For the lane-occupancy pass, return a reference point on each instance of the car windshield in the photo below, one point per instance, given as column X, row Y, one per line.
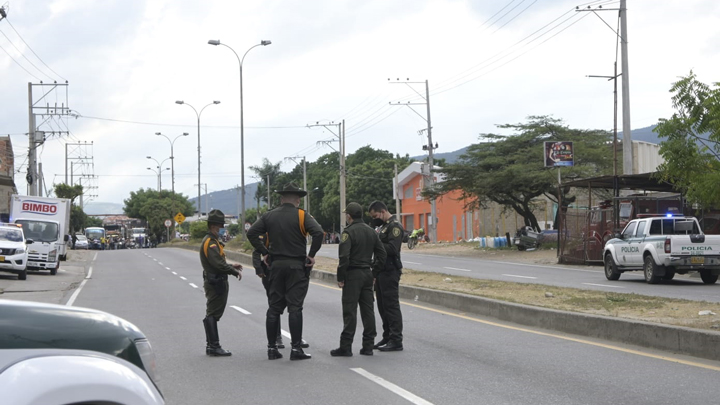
column 81, row 238
column 39, row 231
column 11, row 235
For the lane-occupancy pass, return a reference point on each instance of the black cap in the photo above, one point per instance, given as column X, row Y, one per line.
column 354, row 210
column 216, row 217
column 291, row 188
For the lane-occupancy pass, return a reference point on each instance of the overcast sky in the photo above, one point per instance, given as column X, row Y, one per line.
column 130, row 60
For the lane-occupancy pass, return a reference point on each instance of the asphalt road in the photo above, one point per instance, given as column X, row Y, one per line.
column 449, row 358
column 585, row 277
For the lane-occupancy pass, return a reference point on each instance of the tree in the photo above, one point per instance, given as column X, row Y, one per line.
column 92, row 222
column 198, row 229
column 78, row 218
column 263, row 171
column 63, row 190
column 692, row 146
column 155, row 207
column 509, row 170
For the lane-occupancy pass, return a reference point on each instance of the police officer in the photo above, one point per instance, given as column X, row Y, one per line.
column 262, row 271
column 287, row 227
column 359, row 244
column 387, row 279
column 215, row 276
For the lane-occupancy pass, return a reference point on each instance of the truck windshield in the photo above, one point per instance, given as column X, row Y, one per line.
column 11, row 235
column 39, row 231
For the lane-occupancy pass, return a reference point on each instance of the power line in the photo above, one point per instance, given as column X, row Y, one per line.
column 25, row 57
column 31, row 50
column 78, row 115
column 18, row 63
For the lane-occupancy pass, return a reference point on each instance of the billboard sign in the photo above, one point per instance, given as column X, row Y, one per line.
column 558, row 154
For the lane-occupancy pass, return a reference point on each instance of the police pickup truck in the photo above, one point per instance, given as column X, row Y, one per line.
column 663, row 247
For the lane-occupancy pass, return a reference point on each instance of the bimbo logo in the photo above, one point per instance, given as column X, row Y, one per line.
column 39, row 207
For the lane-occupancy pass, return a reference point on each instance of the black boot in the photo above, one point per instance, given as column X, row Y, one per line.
column 392, row 346
column 213, row 347
column 295, row 319
column 297, row 353
column 273, row 353
column 383, row 342
column 304, row 344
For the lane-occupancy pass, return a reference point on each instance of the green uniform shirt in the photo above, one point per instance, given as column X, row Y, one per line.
column 214, row 262
column 358, row 245
column 282, row 225
column 391, row 235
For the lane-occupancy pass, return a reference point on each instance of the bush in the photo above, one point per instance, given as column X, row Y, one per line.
column 198, row 229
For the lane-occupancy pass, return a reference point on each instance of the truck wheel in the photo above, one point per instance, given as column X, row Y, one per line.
column 650, row 270
column 707, row 277
column 669, row 274
column 54, row 271
column 22, row 275
column 611, row 271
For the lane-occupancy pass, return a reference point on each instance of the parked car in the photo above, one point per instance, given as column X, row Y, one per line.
column 13, row 250
column 82, row 242
column 60, row 377
column 35, row 326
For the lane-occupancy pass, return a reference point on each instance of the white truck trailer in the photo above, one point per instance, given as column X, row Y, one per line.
column 46, row 221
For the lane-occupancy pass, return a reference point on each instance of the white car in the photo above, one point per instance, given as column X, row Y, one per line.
column 81, row 242
column 13, row 250
column 60, row 376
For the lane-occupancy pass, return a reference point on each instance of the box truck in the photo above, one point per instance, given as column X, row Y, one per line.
column 47, row 222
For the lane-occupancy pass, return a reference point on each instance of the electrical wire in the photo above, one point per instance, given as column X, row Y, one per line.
column 25, row 57
column 31, row 50
column 18, row 63
column 78, row 115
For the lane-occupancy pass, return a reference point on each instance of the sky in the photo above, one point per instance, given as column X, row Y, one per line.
column 487, row 63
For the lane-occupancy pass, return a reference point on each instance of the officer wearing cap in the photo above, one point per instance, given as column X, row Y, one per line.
column 287, row 227
column 215, row 276
column 387, row 278
column 359, row 246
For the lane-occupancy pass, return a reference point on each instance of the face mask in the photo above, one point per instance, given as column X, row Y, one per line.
column 377, row 222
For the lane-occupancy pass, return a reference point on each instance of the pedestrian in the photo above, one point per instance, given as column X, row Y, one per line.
column 387, row 279
column 287, row 227
column 215, row 276
column 262, row 271
column 359, row 248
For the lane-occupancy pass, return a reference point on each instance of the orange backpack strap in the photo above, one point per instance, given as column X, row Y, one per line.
column 301, row 214
column 205, row 246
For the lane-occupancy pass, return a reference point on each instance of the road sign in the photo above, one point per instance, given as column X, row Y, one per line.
column 247, row 226
column 179, row 218
column 168, row 223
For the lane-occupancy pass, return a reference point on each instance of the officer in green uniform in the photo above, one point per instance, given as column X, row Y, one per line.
column 359, row 245
column 215, row 276
column 289, row 262
column 387, row 279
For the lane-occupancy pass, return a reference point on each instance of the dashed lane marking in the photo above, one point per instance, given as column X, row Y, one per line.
column 455, row 268
column 571, row 339
column 244, row 311
column 89, row 275
column 174, row 273
column 513, row 275
column 285, row 333
column 604, row 285
column 167, row 268
column 193, row 285
column 411, row 262
column 392, row 387
column 183, row 278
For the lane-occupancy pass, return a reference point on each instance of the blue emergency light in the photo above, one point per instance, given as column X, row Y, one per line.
column 668, row 215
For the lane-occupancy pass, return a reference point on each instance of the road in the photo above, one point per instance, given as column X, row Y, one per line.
column 449, row 358
column 585, row 277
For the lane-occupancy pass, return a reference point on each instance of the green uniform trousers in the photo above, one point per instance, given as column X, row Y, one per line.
column 216, row 294
column 358, row 290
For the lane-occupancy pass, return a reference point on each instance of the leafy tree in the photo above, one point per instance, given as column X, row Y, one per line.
column 509, row 170
column 93, row 222
column 63, row 190
column 263, row 171
column 198, row 229
column 78, row 218
column 234, row 229
column 155, row 207
column 692, row 146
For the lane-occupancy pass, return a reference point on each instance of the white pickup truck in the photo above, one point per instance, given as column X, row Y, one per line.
column 663, row 247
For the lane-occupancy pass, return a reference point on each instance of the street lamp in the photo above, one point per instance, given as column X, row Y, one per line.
column 199, row 204
column 158, row 173
column 264, row 42
column 159, row 166
column 172, row 156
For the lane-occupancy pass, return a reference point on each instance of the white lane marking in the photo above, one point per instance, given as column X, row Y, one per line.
column 411, row 262
column 285, row 333
column 244, row 311
column 174, row 273
column 160, row 263
column 95, row 257
column 89, row 275
column 512, row 275
column 167, row 268
column 183, row 278
column 455, row 268
column 155, row 259
column 193, row 285
column 544, row 267
column 76, row 293
column 392, row 387
column 604, row 285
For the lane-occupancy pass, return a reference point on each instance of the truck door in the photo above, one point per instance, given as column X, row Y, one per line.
column 623, row 254
column 636, row 245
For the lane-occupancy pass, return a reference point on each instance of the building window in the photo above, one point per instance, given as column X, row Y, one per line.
column 408, row 192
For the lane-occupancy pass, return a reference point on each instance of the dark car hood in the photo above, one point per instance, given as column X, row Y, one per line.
column 38, row 325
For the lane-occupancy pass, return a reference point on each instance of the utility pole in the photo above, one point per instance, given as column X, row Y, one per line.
column 306, row 200
column 625, row 74
column 397, row 195
column 207, row 206
column 341, row 150
column 429, row 182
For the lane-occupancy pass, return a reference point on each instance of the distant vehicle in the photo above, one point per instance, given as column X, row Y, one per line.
column 61, row 376
column 13, row 250
column 45, row 221
column 38, row 326
column 662, row 247
column 81, row 242
column 95, row 236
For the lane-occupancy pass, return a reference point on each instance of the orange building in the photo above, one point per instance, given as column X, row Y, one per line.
column 453, row 221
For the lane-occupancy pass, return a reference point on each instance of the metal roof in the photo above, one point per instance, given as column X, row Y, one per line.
column 644, row 181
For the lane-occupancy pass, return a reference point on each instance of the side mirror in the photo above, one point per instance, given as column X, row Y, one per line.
column 618, row 236
column 28, row 241
column 67, row 238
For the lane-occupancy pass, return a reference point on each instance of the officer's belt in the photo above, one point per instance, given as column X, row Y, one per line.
column 275, row 258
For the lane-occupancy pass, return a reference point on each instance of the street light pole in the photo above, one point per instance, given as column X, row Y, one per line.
column 159, row 166
column 264, row 42
column 172, row 155
column 198, row 114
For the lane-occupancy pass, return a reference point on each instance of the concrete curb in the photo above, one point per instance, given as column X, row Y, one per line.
column 676, row 339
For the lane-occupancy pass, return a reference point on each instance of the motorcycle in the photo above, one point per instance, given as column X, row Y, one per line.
column 413, row 239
